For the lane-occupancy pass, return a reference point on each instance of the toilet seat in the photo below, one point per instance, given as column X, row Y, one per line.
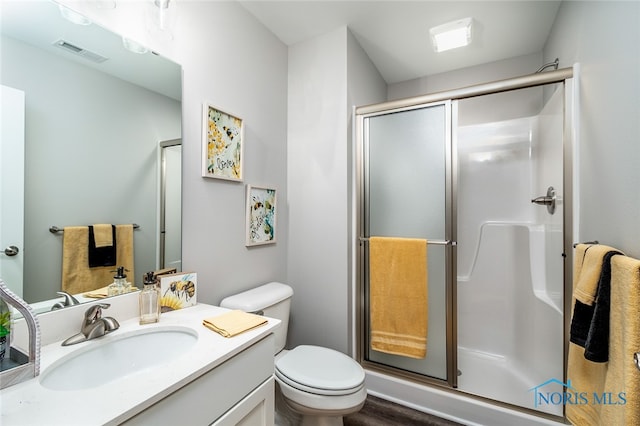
column 320, row 371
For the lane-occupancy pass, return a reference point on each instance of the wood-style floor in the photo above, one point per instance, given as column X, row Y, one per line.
column 380, row 412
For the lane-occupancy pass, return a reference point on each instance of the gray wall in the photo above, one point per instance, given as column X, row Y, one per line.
column 327, row 77
column 604, row 37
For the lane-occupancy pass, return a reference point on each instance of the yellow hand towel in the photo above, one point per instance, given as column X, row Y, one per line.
column 623, row 377
column 578, row 259
column 587, row 285
column 234, row 322
column 103, row 235
column 398, row 300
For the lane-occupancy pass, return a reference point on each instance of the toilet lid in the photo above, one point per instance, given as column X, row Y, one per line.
column 320, row 370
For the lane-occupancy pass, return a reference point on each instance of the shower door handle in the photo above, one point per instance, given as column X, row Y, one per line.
column 548, row 200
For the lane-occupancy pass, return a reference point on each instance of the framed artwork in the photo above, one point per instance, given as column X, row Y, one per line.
column 222, row 144
column 261, row 215
column 178, row 291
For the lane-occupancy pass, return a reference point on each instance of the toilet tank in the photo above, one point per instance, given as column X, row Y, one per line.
column 271, row 300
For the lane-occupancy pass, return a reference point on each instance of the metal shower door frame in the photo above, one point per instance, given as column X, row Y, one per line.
column 564, row 76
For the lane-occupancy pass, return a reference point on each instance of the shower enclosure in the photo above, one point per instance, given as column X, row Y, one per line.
column 483, row 174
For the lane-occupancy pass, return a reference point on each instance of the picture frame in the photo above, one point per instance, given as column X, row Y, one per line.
column 261, row 211
column 178, row 291
column 222, row 144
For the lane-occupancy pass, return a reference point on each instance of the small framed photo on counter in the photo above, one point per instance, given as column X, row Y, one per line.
column 178, row 291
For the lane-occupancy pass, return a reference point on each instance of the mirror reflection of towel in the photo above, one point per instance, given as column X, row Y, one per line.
column 77, row 277
column 102, row 245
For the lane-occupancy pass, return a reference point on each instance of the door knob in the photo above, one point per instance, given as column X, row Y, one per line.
column 548, row 200
column 11, row 251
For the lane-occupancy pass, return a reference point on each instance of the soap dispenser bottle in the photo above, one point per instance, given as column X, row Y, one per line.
column 150, row 300
column 119, row 284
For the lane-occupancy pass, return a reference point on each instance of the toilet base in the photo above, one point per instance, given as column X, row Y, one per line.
column 290, row 413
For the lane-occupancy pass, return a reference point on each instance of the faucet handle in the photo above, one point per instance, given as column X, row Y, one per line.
column 95, row 311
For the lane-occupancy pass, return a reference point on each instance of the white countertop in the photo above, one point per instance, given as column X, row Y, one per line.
column 29, row 403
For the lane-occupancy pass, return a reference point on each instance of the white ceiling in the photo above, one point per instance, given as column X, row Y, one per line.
column 395, row 34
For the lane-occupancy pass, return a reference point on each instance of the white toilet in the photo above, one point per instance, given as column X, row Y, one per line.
column 318, row 384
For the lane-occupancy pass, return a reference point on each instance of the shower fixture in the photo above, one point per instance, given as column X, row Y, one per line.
column 548, row 200
column 553, row 64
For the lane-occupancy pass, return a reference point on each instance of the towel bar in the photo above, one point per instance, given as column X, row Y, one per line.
column 433, row 242
column 54, row 229
column 586, row 242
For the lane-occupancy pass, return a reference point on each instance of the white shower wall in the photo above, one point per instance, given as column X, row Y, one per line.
column 510, row 257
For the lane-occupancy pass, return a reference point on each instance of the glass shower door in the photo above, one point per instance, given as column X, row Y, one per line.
column 406, row 190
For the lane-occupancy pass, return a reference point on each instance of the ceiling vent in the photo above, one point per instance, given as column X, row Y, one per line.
column 72, row 48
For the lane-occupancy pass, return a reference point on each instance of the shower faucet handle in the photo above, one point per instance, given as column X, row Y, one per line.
column 548, row 200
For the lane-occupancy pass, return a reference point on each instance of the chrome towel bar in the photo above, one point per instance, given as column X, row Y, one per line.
column 433, row 242
column 54, row 229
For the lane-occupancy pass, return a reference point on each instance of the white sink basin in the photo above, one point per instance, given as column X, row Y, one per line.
column 110, row 358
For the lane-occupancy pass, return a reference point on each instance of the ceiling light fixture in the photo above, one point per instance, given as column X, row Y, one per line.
column 134, row 46
column 451, row 35
column 73, row 16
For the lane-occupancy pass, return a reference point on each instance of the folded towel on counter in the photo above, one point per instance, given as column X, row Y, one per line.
column 398, row 296
column 234, row 322
column 624, row 341
column 102, row 245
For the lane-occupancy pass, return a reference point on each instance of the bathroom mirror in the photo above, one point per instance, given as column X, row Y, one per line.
column 95, row 117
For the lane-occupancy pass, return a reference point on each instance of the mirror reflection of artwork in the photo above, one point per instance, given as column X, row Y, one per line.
column 222, row 145
column 261, row 215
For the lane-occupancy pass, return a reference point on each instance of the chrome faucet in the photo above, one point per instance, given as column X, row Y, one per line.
column 69, row 300
column 32, row 367
column 93, row 325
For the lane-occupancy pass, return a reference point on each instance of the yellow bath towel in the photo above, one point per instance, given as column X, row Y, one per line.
column 587, row 285
column 233, row 323
column 398, row 296
column 77, row 277
column 587, row 378
column 103, row 235
column 623, row 377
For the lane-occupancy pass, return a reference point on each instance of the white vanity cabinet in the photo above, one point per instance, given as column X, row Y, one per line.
column 239, row 391
column 217, row 381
